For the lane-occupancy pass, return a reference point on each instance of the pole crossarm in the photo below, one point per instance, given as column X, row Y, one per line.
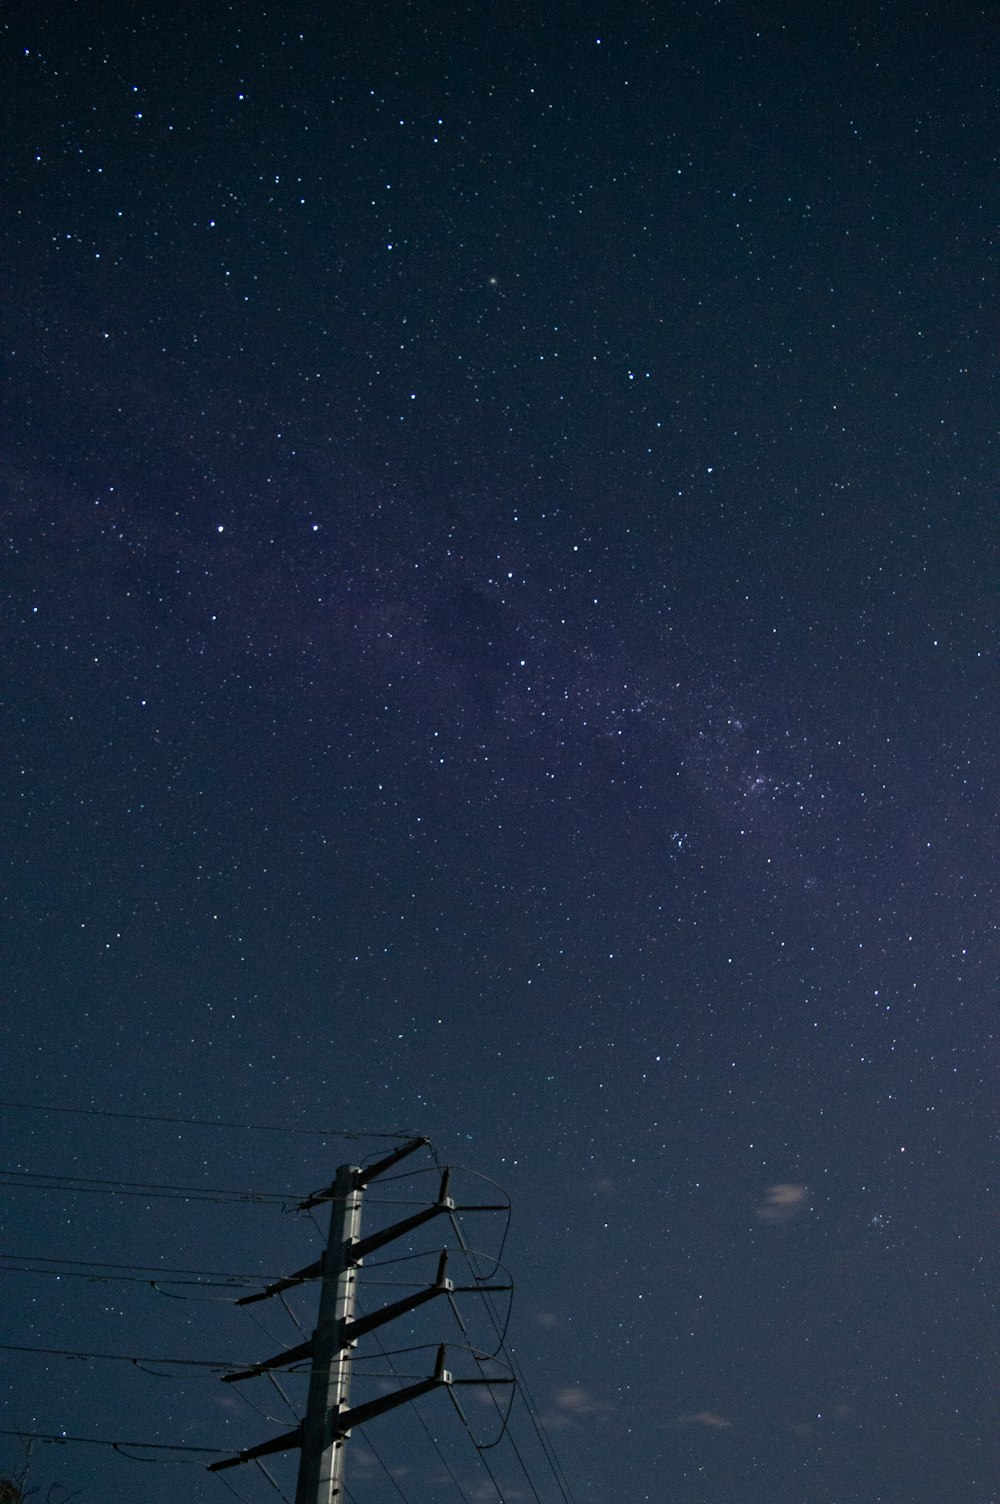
column 280, row 1360
column 340, row 1423
column 290, row 1280
column 362, row 1324
column 364, row 1174
column 329, row 1415
column 364, row 1246
column 350, row 1331
column 343, row 1422
column 372, row 1172
column 360, row 1250
column 262, row 1449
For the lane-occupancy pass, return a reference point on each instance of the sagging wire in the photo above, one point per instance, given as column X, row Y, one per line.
column 272, row 1480
column 505, row 1429
column 152, row 1117
column 60, row 1438
column 257, row 1321
column 481, row 1451
column 137, row 1279
column 231, row 1487
column 408, row 1174
column 259, row 1409
column 215, row 1300
column 122, row 1448
column 562, row 1482
column 38, row 1180
column 291, row 1315
column 292, row 1410
column 154, row 1373
column 388, row 1355
column 470, row 1255
column 504, row 1416
column 388, row 1473
column 501, row 1340
column 503, row 1237
column 213, row 1366
column 156, row 1269
column 480, row 1276
column 485, row 1462
column 313, row 1219
column 425, row 1143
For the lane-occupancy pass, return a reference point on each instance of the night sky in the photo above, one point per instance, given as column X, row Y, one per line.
column 497, row 515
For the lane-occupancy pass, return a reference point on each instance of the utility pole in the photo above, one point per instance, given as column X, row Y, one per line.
column 321, row 1470
column 329, row 1417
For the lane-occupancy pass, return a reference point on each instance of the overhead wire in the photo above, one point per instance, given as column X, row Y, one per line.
column 388, row 1355
column 214, row 1366
column 61, row 1438
column 259, row 1322
column 248, row 1399
column 503, row 1237
column 534, row 1415
column 409, row 1174
column 272, row 1376
column 388, row 1472
column 231, row 1487
column 272, row 1480
column 474, row 1259
column 292, row 1316
column 482, row 1457
column 526, row 1397
column 313, row 1219
column 154, row 1117
column 159, row 1269
column 130, row 1279
column 38, row 1180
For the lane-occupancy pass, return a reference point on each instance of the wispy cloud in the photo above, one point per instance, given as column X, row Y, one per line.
column 485, row 1493
column 783, row 1202
column 709, row 1418
column 573, row 1403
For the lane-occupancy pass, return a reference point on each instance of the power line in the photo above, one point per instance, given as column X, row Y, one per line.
column 232, row 1488
column 61, row 1437
column 130, row 1279
column 388, row 1473
column 272, row 1480
column 152, row 1117
column 196, row 1367
column 522, row 1386
column 100, row 1265
column 214, row 1365
column 388, row 1355
column 485, row 1461
column 40, row 1180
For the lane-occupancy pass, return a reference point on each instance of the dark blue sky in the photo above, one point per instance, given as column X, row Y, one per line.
column 498, row 510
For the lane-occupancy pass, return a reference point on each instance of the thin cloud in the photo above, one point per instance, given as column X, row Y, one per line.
column 573, row 1403
column 783, row 1202
column 711, row 1419
column 578, row 1401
